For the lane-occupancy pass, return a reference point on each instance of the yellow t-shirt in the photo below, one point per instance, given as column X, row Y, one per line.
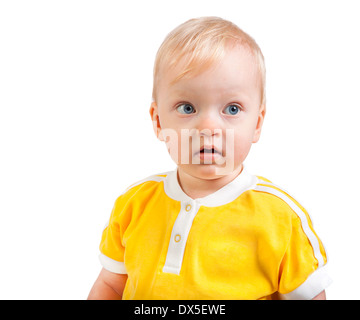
column 247, row 240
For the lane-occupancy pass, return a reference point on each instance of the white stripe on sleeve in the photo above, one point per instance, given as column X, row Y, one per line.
column 304, row 222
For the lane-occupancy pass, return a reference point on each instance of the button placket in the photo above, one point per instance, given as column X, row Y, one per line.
column 179, row 235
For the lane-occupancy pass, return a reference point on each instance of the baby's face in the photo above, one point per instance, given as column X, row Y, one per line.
column 209, row 121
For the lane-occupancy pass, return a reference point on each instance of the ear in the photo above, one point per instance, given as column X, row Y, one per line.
column 259, row 124
column 155, row 120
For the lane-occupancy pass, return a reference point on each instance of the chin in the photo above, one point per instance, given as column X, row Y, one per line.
column 204, row 171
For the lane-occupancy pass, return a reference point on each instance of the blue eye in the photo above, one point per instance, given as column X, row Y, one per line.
column 185, row 108
column 232, row 109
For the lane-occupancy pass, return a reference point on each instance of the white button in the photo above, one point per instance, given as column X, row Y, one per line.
column 177, row 238
column 188, row 207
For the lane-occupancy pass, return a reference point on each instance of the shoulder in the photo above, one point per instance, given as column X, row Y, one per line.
column 143, row 186
column 272, row 193
column 293, row 209
column 150, row 180
column 131, row 200
column 274, row 200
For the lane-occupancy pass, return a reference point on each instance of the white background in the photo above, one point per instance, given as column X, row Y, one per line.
column 75, row 89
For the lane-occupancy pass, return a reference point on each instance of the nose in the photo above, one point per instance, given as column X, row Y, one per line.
column 209, row 124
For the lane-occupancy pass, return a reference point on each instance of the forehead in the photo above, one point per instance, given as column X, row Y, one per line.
column 235, row 68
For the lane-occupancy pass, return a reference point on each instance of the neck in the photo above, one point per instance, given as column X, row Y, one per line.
column 197, row 187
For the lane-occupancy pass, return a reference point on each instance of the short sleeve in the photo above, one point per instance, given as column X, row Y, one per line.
column 302, row 274
column 111, row 246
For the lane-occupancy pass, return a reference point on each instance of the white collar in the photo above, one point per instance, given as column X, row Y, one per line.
column 243, row 182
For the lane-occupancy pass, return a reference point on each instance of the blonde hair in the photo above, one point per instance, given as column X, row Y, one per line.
column 203, row 41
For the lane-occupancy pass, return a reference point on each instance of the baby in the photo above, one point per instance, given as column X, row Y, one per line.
column 209, row 229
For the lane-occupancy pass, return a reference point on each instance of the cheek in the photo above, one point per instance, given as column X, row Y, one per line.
column 240, row 145
column 171, row 139
column 178, row 144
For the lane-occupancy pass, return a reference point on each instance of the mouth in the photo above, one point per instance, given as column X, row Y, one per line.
column 208, row 155
column 204, row 150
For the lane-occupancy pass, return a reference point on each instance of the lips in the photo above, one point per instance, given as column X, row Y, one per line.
column 209, row 150
column 208, row 154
